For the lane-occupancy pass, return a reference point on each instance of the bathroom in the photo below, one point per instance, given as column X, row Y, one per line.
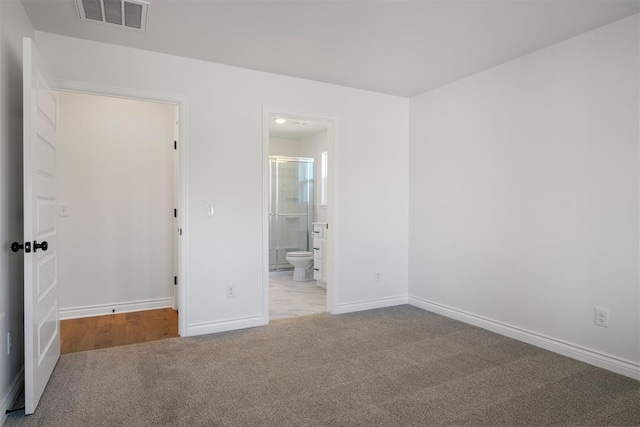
column 298, row 216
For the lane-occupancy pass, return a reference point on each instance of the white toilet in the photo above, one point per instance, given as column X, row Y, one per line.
column 301, row 262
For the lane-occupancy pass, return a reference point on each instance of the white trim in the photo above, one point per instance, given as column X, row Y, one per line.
column 332, row 197
column 370, row 304
column 119, row 307
column 183, row 153
column 606, row 361
column 12, row 395
column 638, row 300
column 332, row 233
column 128, row 93
column 226, row 325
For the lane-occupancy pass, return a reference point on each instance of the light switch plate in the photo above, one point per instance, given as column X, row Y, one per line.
column 63, row 209
column 209, row 211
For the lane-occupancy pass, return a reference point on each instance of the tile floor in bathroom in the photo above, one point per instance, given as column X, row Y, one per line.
column 291, row 299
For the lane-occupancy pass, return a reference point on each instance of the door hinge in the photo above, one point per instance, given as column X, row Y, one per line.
column 175, row 145
column 175, row 213
column 175, row 280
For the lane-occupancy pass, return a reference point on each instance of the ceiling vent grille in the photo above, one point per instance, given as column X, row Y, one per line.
column 131, row 14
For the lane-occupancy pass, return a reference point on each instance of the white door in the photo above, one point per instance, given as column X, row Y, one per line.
column 41, row 321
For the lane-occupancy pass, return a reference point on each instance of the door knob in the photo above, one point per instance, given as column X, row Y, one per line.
column 44, row 246
column 15, row 247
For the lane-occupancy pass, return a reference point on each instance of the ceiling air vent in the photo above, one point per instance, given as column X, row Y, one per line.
column 130, row 14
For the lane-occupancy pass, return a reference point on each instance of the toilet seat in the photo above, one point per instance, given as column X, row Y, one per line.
column 299, row 254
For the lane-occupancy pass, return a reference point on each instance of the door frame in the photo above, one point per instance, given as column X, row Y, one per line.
column 181, row 102
column 332, row 196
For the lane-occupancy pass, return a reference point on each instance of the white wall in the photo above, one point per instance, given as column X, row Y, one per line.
column 524, row 193
column 14, row 25
column 115, row 158
column 225, row 168
column 313, row 146
column 283, row 147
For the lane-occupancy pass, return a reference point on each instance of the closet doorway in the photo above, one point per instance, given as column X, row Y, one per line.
column 118, row 220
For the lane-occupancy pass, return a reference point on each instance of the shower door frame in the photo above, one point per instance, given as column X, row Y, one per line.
column 278, row 215
column 333, row 283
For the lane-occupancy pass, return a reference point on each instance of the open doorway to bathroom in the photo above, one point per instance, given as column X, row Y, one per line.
column 298, row 211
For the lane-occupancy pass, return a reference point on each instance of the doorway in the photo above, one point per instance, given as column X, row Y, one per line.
column 118, row 222
column 298, row 209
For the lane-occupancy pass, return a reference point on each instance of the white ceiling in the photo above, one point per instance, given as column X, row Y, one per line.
column 396, row 47
column 294, row 128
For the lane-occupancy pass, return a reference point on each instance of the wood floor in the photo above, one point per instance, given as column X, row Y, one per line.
column 91, row 333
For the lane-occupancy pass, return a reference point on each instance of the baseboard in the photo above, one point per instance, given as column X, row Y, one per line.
column 370, row 304
column 120, row 307
column 225, row 325
column 254, row 321
column 620, row 366
column 12, row 395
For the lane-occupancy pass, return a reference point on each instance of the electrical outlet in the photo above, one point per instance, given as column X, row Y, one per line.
column 376, row 276
column 231, row 291
column 9, row 343
column 602, row 317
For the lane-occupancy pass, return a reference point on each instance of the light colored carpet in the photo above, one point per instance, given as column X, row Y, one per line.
column 387, row 367
column 292, row 299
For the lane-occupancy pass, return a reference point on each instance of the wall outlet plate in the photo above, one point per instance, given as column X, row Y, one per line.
column 602, row 317
column 231, row 291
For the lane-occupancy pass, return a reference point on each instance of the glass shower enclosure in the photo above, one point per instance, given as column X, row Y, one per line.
column 290, row 208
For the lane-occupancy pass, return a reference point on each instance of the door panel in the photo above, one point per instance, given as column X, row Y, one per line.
column 41, row 320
